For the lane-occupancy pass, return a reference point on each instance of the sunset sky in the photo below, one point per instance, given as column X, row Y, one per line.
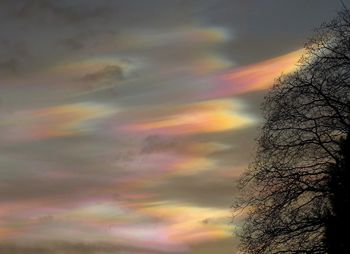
column 124, row 124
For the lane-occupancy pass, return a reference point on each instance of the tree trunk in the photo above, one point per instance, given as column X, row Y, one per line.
column 338, row 221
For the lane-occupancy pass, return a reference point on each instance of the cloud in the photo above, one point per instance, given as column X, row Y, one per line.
column 73, row 43
column 187, row 36
column 159, row 143
column 151, row 170
column 202, row 189
column 108, row 73
column 9, row 66
column 184, row 221
column 150, row 236
column 92, row 74
column 52, row 122
column 67, row 247
column 254, row 77
column 59, row 10
column 210, row 247
column 203, row 117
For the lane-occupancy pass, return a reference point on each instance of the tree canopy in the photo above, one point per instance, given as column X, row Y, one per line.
column 296, row 192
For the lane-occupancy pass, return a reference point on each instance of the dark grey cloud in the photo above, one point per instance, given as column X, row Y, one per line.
column 9, row 66
column 158, row 143
column 107, row 73
column 263, row 29
column 67, row 11
column 73, row 43
column 32, row 30
column 259, row 29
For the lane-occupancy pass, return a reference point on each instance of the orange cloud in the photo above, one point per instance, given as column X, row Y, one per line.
column 204, row 117
column 255, row 77
column 210, row 63
column 192, row 165
column 58, row 121
column 190, row 224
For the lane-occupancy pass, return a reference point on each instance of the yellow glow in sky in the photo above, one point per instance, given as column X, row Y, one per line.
column 204, row 117
column 257, row 76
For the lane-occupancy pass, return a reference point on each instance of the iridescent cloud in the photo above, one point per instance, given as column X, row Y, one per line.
column 125, row 136
column 203, row 117
column 52, row 122
column 190, row 224
column 254, row 77
column 182, row 36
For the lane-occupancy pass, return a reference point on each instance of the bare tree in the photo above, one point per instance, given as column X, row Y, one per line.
column 296, row 192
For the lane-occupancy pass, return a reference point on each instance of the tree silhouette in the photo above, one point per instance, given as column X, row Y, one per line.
column 296, row 193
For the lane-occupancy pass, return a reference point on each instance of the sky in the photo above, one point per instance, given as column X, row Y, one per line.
column 125, row 124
